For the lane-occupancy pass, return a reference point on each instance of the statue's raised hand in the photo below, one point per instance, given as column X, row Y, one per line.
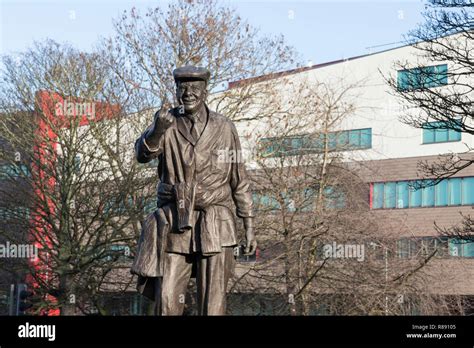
column 163, row 119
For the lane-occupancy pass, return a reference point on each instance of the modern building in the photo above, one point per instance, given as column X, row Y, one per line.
column 389, row 153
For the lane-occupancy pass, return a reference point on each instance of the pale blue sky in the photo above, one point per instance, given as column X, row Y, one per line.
column 320, row 30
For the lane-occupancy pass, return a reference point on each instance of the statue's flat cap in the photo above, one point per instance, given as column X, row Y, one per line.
column 190, row 73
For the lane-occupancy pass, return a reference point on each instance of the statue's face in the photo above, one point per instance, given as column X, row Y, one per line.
column 192, row 94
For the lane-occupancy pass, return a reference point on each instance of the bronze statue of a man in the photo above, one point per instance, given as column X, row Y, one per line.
column 193, row 231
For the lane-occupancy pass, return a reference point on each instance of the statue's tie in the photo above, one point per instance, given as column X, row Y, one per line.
column 195, row 132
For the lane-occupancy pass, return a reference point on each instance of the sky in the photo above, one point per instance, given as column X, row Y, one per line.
column 320, row 30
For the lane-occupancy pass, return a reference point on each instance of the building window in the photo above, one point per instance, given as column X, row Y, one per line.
column 421, row 193
column 308, row 199
column 402, row 194
column 265, row 202
column 422, row 77
column 437, row 132
column 149, row 205
column 117, row 252
column 415, row 194
column 116, row 206
column 299, row 200
column 389, row 195
column 421, row 246
column 355, row 139
column 461, row 247
column 14, row 213
column 441, row 193
column 377, row 201
column 77, row 164
column 428, row 196
column 467, row 194
column 454, row 191
column 334, row 198
column 407, row 248
column 13, row 171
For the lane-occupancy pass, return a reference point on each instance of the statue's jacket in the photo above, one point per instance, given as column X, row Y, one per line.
column 201, row 181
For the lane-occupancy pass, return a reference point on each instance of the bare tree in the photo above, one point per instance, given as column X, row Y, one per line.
column 320, row 244
column 78, row 211
column 146, row 48
column 437, row 97
column 63, row 122
column 437, row 90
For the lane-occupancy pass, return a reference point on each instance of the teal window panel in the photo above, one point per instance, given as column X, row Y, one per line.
column 264, row 201
column 433, row 132
column 16, row 212
column 423, row 193
column 454, row 189
column 366, row 138
column 13, row 171
column 306, row 143
column 377, row 199
column 354, row 138
column 455, row 247
column 285, row 146
column 269, row 203
column 403, row 82
column 332, row 141
column 334, row 198
column 389, row 195
column 342, row 140
column 441, row 245
column 328, row 197
column 428, row 196
column 294, row 146
column 441, row 193
column 454, row 135
column 340, row 200
column 255, row 198
column 290, row 200
column 318, row 142
column 439, row 76
column 309, row 195
column 461, row 247
column 150, row 205
column 441, row 135
column 468, row 249
column 402, row 250
column 415, row 196
column 77, row 164
column 428, row 136
column 468, row 190
column 313, row 143
column 422, row 77
column 402, row 194
column 267, row 147
column 296, row 143
column 405, row 248
column 118, row 247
